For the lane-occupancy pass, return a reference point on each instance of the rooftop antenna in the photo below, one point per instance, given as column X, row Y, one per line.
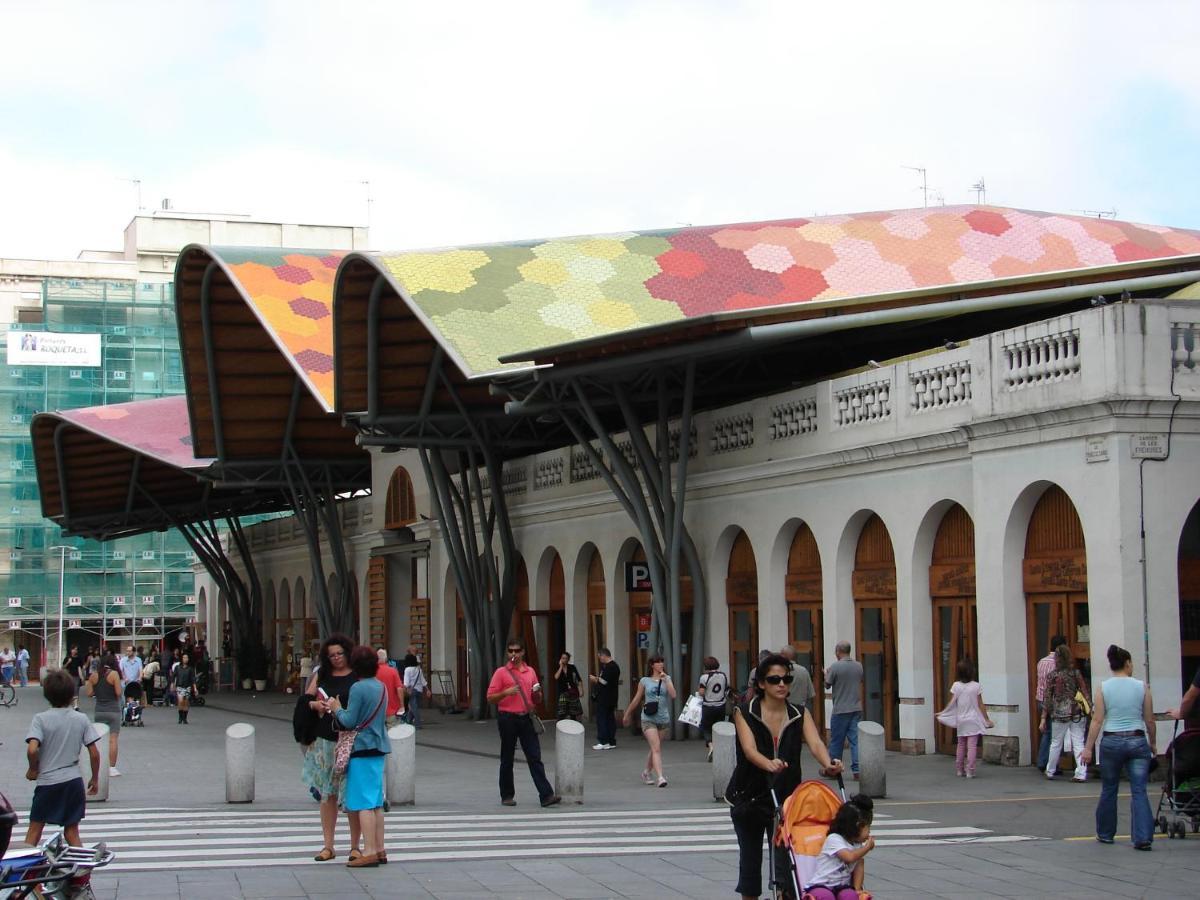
column 924, row 181
column 1098, row 213
column 137, row 185
column 980, row 190
column 370, row 200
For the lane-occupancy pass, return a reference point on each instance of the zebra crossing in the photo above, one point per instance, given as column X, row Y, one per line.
column 164, row 838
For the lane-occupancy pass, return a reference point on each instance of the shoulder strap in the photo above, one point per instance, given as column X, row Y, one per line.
column 520, row 690
column 378, row 706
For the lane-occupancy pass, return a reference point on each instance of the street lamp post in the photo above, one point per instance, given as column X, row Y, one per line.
column 62, row 575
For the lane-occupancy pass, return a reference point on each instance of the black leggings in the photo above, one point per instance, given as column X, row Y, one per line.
column 751, row 828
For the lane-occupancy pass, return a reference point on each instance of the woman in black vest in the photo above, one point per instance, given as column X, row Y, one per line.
column 770, row 735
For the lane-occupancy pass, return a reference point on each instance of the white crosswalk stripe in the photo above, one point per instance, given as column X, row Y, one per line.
column 181, row 838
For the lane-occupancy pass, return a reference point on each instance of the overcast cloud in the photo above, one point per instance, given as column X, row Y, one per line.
column 493, row 121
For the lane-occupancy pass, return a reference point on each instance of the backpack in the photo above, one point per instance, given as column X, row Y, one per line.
column 716, row 689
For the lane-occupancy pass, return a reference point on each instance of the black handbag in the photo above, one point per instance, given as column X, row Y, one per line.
column 650, row 707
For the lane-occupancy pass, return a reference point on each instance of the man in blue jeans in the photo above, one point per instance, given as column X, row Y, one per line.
column 844, row 679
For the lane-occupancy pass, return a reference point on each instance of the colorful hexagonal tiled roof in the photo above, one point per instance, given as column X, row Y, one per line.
column 158, row 428
column 291, row 292
column 493, row 301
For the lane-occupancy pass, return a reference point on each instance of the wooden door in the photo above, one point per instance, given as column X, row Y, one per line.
column 954, row 639
column 803, row 591
column 874, row 588
column 743, row 645
column 875, row 631
column 806, row 635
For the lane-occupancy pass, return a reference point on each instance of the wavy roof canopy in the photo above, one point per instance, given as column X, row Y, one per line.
column 109, row 452
column 494, row 303
column 271, row 323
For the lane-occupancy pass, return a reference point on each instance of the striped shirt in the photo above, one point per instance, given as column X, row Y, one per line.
column 1044, row 667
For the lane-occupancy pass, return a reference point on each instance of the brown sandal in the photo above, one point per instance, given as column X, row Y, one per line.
column 325, row 855
column 354, row 854
column 382, row 858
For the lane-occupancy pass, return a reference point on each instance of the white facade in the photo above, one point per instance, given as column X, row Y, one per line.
column 988, row 426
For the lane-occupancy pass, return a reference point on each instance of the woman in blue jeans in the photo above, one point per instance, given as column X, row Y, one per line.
column 1123, row 720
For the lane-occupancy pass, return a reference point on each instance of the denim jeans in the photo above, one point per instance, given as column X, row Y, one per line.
column 606, row 725
column 1133, row 754
column 1043, row 756
column 843, row 726
column 515, row 728
column 24, row 670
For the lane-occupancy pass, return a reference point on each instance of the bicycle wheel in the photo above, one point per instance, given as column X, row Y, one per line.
column 8, row 695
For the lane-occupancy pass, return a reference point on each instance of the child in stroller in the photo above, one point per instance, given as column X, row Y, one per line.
column 827, row 838
column 1179, row 804
column 131, row 715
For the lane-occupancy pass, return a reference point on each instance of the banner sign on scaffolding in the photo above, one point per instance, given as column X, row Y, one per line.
column 41, row 348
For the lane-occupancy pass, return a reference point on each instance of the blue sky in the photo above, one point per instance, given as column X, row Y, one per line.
column 476, row 122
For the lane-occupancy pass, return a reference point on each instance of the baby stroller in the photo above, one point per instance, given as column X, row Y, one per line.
column 804, row 820
column 1179, row 804
column 131, row 716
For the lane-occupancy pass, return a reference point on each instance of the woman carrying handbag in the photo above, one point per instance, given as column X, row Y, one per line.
column 568, row 680
column 655, row 693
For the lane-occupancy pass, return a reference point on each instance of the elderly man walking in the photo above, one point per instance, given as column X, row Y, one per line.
column 845, row 678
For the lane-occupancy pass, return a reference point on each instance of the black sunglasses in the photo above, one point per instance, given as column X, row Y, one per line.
column 516, row 649
column 776, row 679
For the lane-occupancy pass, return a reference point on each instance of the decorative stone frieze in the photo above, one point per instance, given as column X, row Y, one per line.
column 940, row 387
column 793, row 418
column 548, row 473
column 1185, row 339
column 1041, row 360
column 863, row 404
column 732, row 433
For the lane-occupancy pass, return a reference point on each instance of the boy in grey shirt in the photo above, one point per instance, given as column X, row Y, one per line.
column 52, row 747
column 845, row 679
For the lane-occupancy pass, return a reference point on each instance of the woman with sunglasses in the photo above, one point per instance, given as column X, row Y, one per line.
column 770, row 735
column 655, row 693
column 333, row 678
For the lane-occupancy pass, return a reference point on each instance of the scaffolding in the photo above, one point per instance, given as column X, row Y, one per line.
column 147, row 578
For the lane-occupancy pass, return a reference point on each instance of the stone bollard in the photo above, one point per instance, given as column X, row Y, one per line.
column 239, row 763
column 401, row 769
column 872, row 772
column 85, row 764
column 568, row 761
column 724, row 735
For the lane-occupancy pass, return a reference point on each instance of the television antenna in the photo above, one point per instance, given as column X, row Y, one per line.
column 980, row 190
column 370, row 200
column 1098, row 213
column 924, row 181
column 137, row 186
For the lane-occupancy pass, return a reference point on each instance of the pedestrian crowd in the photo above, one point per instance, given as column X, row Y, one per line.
column 355, row 693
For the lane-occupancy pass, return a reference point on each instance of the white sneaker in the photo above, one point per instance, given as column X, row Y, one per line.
column 113, row 772
column 599, row 746
column 610, row 746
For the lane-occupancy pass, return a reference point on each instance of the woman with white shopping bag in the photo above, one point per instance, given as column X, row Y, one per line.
column 1063, row 713
column 966, row 713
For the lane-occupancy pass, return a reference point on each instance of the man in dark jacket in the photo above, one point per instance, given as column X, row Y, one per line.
column 604, row 693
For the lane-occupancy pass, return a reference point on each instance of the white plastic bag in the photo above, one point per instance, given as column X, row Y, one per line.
column 692, row 711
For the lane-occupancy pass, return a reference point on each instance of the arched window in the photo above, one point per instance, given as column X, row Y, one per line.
column 401, row 505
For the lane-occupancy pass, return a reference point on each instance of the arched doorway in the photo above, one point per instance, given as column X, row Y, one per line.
column 952, row 590
column 462, row 682
column 741, row 596
column 545, row 630
column 803, row 593
column 1189, row 601
column 1055, row 581
column 874, row 588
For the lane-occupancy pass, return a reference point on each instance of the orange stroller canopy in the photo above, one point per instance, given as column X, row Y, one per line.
column 805, row 817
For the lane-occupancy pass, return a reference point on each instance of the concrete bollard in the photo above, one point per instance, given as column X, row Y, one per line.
column 239, row 763
column 401, row 768
column 85, row 764
column 724, row 736
column 872, row 772
column 568, row 761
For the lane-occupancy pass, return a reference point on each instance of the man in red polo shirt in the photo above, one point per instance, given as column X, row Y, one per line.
column 514, row 689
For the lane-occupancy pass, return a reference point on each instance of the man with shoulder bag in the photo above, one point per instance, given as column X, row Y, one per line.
column 514, row 689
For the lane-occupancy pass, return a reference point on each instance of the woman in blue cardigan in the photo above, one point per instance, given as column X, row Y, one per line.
column 364, row 776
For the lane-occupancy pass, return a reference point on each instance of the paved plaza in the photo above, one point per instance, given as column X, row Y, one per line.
column 1008, row 833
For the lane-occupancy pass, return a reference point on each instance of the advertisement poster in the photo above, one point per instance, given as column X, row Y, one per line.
column 40, row 348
